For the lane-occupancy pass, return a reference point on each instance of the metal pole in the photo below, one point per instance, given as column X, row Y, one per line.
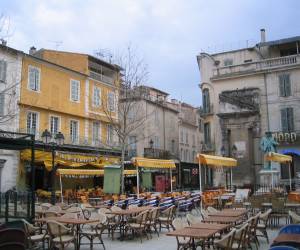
column 32, row 177
column 61, row 191
column 200, row 185
column 137, row 182
column 231, row 178
column 290, row 176
column 171, row 179
column 272, row 177
column 53, row 177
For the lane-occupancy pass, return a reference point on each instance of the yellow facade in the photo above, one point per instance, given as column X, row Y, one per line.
column 54, row 97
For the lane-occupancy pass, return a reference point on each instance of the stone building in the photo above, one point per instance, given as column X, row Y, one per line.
column 10, row 81
column 247, row 92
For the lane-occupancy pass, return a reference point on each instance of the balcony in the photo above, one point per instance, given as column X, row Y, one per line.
column 101, row 78
column 252, row 67
column 156, row 153
column 208, row 147
column 207, row 110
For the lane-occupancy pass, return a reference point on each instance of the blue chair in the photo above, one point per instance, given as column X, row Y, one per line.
column 290, row 229
column 282, row 248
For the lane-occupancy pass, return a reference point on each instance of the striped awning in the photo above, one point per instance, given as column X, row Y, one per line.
column 216, row 161
column 85, row 172
column 152, row 163
column 271, row 156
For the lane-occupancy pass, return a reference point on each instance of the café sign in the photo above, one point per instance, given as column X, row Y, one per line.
column 285, row 137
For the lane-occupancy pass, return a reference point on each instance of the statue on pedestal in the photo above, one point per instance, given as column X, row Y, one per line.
column 267, row 145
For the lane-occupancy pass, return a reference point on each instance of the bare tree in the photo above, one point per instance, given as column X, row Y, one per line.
column 129, row 116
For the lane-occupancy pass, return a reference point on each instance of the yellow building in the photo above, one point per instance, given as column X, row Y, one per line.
column 70, row 93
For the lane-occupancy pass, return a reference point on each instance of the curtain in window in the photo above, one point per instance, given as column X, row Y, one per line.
column 112, row 180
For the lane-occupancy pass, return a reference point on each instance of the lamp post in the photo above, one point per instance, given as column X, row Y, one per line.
column 58, row 141
column 151, row 146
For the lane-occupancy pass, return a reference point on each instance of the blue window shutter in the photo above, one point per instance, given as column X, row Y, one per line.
column 284, row 121
column 281, row 85
column 287, row 85
column 290, row 119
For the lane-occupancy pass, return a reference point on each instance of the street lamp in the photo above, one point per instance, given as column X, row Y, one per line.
column 223, row 151
column 233, row 151
column 58, row 141
column 151, row 143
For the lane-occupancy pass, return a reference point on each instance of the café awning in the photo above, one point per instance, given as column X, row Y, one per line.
column 153, row 163
column 271, row 156
column 86, row 172
column 69, row 159
column 216, row 161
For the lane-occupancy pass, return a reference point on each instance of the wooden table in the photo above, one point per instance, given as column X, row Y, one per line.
column 222, row 220
column 75, row 222
column 287, row 239
column 194, row 233
column 210, row 226
column 229, row 213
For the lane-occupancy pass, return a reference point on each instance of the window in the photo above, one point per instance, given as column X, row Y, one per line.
column 156, row 143
column 74, row 131
column 194, row 140
column 228, row 62
column 207, row 133
column 284, row 85
column 156, row 118
column 132, row 147
column 75, row 91
column 187, row 138
column 32, row 122
column 54, row 125
column 2, row 103
column 33, row 78
column 181, row 136
column 96, row 97
column 96, row 133
column 194, row 156
column 3, row 66
column 200, row 125
column 111, row 101
column 110, row 134
column 206, row 101
column 181, row 154
column 287, row 119
column 173, row 146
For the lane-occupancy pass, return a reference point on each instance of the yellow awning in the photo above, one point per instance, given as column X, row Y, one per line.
column 271, row 156
column 152, row 163
column 68, row 159
column 217, row 161
column 63, row 171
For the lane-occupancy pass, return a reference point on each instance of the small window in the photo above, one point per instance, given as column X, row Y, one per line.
column 173, row 146
column 74, row 131
column 187, row 138
column 3, row 68
column 111, row 102
column 287, row 119
column 75, row 90
column 96, row 97
column 228, row 62
column 96, row 136
column 34, row 78
column 284, row 85
column 194, row 140
column 54, row 125
column 2, row 104
column 31, row 123
column 207, row 133
column 110, row 134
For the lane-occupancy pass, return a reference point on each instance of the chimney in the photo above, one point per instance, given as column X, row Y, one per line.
column 32, row 50
column 262, row 36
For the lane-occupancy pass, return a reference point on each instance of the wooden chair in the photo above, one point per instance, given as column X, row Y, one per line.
column 193, row 219
column 34, row 236
column 263, row 224
column 153, row 220
column 182, row 242
column 166, row 218
column 139, row 226
column 240, row 237
column 226, row 241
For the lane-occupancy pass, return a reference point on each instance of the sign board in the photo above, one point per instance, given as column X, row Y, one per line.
column 285, row 137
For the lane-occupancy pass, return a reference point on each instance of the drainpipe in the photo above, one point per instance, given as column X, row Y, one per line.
column 267, row 102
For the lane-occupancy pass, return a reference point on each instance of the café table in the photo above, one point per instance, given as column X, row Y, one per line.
column 194, row 233
column 287, row 239
column 222, row 220
column 229, row 213
column 75, row 222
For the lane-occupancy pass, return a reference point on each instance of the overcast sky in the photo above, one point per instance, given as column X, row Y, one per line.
column 167, row 33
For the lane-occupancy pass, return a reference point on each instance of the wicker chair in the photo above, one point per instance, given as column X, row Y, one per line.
column 295, row 218
column 279, row 211
column 153, row 220
column 94, row 230
column 139, row 226
column 33, row 236
column 263, row 223
column 212, row 210
column 60, row 235
column 240, row 237
column 113, row 221
column 166, row 218
column 226, row 241
column 182, row 242
column 193, row 219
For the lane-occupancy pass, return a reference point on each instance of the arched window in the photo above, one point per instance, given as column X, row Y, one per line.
column 206, row 101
